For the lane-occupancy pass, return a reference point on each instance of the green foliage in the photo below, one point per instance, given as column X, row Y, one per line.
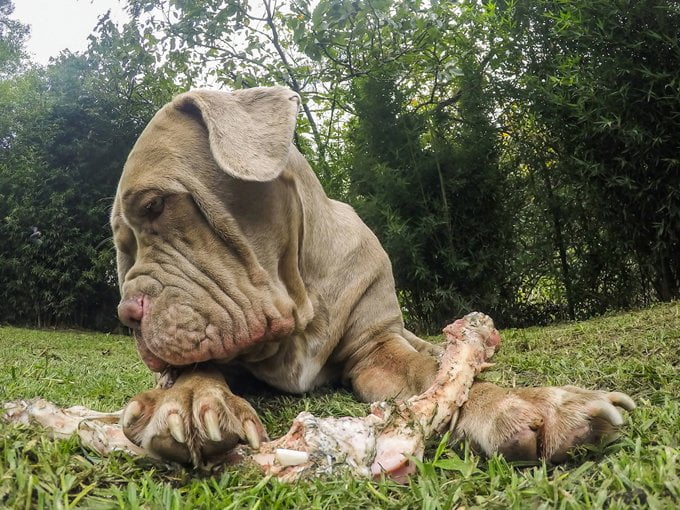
column 433, row 199
column 590, row 107
column 619, row 107
column 12, row 37
column 66, row 131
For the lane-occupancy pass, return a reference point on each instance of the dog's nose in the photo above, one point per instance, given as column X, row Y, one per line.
column 131, row 311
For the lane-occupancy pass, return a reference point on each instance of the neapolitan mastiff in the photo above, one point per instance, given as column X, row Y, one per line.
column 231, row 256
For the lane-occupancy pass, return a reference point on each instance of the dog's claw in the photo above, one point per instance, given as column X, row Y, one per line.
column 622, row 400
column 212, row 425
column 454, row 422
column 132, row 413
column 252, row 435
column 176, row 428
column 606, row 411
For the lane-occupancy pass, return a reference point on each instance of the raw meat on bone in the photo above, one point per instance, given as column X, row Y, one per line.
column 98, row 431
column 384, row 442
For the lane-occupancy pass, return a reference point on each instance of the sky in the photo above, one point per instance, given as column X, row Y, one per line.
column 60, row 24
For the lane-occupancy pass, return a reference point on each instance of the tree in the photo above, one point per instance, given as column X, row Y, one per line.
column 590, row 99
column 433, row 199
column 12, row 38
column 66, row 131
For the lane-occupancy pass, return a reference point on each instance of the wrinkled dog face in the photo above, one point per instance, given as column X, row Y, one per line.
column 200, row 224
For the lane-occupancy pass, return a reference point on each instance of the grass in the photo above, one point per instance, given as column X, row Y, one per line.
column 636, row 352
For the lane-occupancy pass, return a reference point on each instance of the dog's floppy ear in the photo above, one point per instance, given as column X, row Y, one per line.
column 250, row 131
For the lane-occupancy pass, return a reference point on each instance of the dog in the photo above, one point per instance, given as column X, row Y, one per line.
column 232, row 258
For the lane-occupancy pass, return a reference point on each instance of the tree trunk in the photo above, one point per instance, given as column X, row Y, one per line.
column 559, row 240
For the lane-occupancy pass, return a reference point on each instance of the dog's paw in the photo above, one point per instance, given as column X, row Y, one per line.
column 196, row 421
column 540, row 423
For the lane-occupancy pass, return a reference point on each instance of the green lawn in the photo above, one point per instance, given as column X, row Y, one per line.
column 638, row 353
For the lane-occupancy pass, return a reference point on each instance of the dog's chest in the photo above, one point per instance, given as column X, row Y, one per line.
column 295, row 364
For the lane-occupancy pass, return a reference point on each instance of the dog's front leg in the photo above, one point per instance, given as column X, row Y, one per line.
column 539, row 423
column 519, row 423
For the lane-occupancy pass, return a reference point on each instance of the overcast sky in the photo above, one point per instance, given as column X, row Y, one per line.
column 60, row 24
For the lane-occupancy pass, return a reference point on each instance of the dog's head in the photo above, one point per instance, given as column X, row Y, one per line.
column 207, row 224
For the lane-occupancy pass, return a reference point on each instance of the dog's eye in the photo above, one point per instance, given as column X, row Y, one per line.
column 154, row 207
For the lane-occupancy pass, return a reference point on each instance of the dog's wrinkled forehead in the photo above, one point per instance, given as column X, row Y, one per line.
column 170, row 146
column 248, row 135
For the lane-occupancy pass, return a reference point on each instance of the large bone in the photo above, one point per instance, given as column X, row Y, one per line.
column 100, row 432
column 384, row 442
